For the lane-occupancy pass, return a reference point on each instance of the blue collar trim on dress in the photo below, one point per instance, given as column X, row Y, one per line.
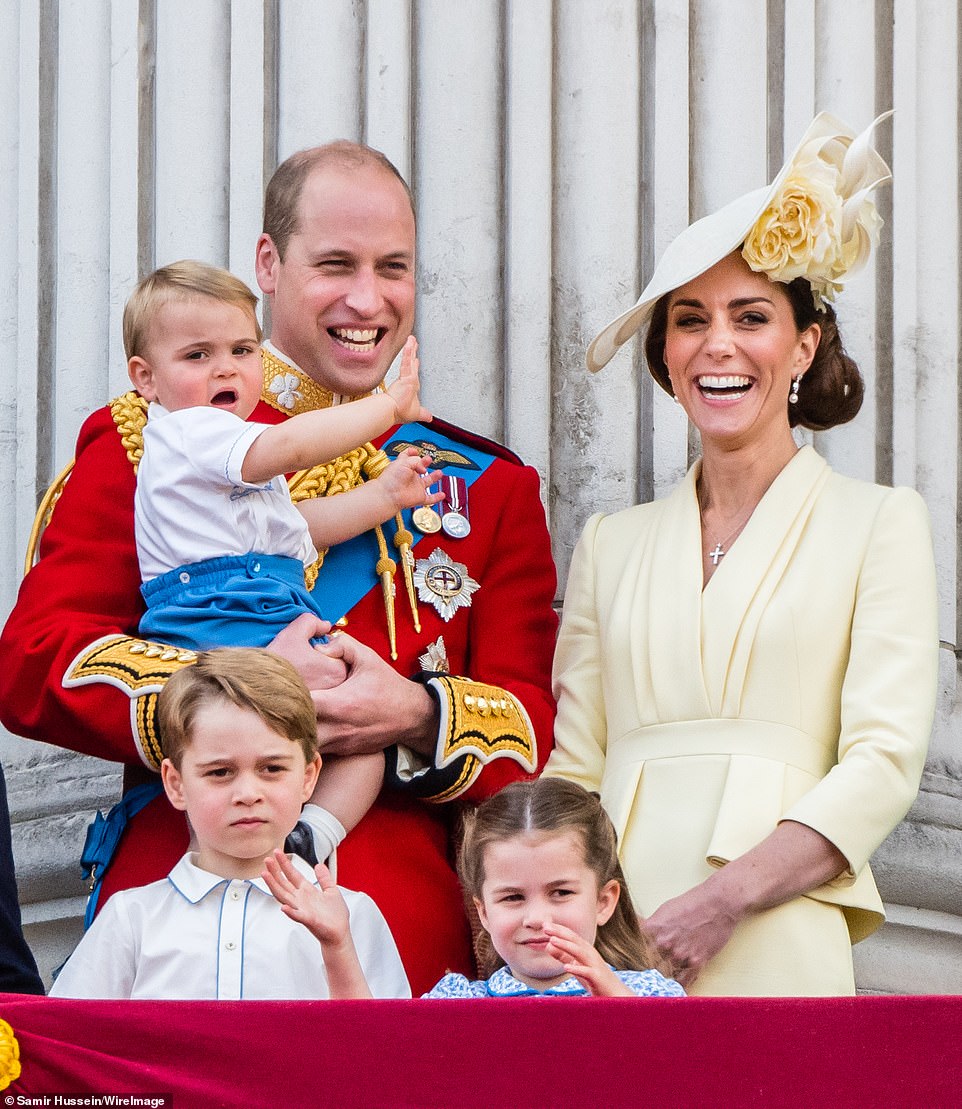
column 504, row 984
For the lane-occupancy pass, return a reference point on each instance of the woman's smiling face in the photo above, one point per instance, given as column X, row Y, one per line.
column 732, row 348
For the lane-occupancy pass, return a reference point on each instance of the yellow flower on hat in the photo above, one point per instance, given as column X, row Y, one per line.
column 816, row 220
column 821, row 221
column 9, row 1056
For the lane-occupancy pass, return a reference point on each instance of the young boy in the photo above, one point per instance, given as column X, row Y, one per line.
column 239, row 736
column 222, row 549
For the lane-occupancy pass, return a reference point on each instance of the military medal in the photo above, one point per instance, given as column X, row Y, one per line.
column 435, row 658
column 426, row 520
column 444, row 583
column 455, row 519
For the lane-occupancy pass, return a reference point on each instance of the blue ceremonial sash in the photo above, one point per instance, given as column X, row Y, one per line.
column 348, row 574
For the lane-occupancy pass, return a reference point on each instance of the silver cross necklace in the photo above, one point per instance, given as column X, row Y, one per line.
column 718, row 552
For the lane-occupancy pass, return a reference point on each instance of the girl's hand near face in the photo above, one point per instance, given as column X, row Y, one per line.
column 582, row 960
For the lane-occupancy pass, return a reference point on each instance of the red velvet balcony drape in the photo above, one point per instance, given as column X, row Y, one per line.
column 869, row 1052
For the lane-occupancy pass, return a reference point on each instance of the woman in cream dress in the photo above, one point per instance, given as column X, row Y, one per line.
column 746, row 670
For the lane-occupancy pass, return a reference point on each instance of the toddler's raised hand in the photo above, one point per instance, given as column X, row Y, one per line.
column 582, row 960
column 321, row 908
column 406, row 482
column 405, row 390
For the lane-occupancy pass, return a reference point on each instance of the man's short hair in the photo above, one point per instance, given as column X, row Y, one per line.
column 283, row 196
column 180, row 281
column 248, row 677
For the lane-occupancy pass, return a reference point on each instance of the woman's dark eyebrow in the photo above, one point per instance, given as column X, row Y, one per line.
column 739, row 303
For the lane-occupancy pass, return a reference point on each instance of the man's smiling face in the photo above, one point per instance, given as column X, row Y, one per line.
column 343, row 294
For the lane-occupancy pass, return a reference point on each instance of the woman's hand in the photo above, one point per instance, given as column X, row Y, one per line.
column 690, row 930
column 582, row 960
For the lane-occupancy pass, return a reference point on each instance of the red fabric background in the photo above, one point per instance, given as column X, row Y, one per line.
column 870, row 1051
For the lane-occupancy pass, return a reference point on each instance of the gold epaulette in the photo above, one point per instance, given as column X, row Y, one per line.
column 482, row 722
column 138, row 668
column 129, row 412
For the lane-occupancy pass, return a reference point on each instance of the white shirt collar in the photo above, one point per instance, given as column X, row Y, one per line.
column 194, row 884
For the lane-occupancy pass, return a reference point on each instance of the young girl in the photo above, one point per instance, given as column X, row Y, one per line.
column 540, row 863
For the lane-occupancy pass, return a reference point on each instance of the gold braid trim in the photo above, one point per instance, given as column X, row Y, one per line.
column 469, row 771
column 9, row 1058
column 330, row 478
column 129, row 411
column 138, row 668
column 144, row 709
column 484, row 722
column 42, row 518
column 288, row 389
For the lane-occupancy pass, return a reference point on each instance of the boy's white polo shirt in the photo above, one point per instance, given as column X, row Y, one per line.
column 195, row 935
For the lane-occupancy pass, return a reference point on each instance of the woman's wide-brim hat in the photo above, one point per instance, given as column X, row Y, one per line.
column 816, row 220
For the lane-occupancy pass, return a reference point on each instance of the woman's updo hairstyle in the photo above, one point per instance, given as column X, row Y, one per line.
column 831, row 390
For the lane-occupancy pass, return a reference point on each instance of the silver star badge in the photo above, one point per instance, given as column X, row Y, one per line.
column 285, row 388
column 435, row 658
column 444, row 583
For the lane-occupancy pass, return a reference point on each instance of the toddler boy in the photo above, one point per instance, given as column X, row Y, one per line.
column 222, row 549
column 239, row 735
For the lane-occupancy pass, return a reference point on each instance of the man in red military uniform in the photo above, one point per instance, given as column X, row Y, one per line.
column 475, row 582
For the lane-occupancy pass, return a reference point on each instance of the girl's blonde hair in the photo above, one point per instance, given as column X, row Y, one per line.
column 558, row 806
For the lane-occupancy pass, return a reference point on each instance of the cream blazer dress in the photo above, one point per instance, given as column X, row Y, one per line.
column 798, row 685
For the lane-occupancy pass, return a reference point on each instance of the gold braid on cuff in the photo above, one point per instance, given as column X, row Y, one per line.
column 138, row 668
column 482, row 722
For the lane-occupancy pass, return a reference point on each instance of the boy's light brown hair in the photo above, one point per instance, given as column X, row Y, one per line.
column 179, row 282
column 248, row 677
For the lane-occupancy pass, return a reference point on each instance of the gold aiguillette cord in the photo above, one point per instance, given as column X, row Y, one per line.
column 403, row 540
column 386, row 566
column 385, row 571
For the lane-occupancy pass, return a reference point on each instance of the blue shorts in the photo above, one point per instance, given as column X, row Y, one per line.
column 237, row 601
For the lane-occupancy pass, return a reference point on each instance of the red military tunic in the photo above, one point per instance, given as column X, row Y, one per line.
column 72, row 672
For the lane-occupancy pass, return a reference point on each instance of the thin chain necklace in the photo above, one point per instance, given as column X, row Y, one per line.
column 718, row 552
